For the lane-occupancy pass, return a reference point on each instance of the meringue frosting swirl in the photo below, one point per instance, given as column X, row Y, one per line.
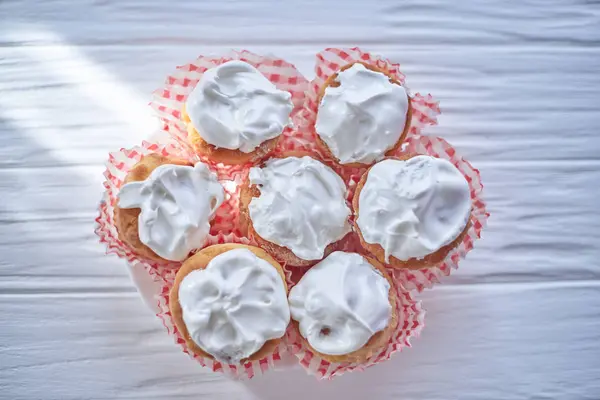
column 235, row 305
column 301, row 205
column 235, row 107
column 340, row 303
column 177, row 203
column 363, row 117
column 413, row 208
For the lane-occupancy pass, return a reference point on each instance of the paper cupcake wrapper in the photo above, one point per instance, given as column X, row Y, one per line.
column 224, row 226
column 247, row 370
column 328, row 62
column 425, row 278
column 167, row 102
column 410, row 323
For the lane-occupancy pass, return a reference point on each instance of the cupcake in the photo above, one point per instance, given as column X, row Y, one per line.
column 344, row 308
column 235, row 115
column 294, row 207
column 165, row 207
column 229, row 302
column 363, row 114
column 411, row 213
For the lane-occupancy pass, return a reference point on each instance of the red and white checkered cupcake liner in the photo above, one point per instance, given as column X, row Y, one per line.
column 425, row 278
column 240, row 371
column 167, row 104
column 168, row 101
column 424, row 108
column 410, row 323
column 224, row 226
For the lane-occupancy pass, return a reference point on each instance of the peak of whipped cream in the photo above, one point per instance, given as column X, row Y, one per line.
column 413, row 208
column 340, row 303
column 301, row 205
column 235, row 107
column 177, row 202
column 363, row 117
column 235, row 305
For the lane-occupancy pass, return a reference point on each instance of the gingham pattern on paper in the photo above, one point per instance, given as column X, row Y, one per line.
column 168, row 101
column 329, row 61
column 426, row 277
column 247, row 370
column 410, row 323
column 223, row 226
column 167, row 104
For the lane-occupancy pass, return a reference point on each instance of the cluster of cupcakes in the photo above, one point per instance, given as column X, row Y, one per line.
column 295, row 209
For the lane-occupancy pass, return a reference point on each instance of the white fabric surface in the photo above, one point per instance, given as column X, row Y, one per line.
column 520, row 94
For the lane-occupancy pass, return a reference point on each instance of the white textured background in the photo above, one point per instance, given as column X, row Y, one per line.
column 519, row 85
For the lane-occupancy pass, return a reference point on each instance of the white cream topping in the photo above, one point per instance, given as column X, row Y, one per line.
column 413, row 208
column 235, row 107
column 340, row 303
column 301, row 205
column 235, row 305
column 363, row 117
column 177, row 202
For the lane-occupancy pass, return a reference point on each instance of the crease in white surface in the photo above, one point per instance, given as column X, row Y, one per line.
column 62, row 62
